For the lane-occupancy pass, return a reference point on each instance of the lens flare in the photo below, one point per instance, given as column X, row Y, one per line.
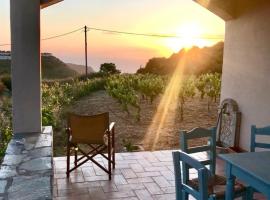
column 168, row 102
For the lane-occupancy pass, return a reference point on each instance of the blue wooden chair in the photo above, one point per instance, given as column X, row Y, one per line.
column 215, row 181
column 265, row 131
column 205, row 188
column 210, row 148
column 181, row 188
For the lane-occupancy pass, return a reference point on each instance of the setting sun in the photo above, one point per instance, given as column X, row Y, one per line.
column 188, row 35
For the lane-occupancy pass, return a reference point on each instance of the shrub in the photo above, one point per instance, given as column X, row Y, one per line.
column 5, row 124
column 6, row 80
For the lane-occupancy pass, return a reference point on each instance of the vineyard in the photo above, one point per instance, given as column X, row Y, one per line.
column 131, row 92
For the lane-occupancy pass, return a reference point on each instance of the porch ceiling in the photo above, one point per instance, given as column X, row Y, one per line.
column 222, row 8
column 46, row 3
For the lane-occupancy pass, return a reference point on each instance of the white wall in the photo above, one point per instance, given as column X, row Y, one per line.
column 246, row 68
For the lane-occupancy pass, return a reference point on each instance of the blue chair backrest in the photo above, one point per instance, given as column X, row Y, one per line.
column 181, row 187
column 259, row 131
column 210, row 147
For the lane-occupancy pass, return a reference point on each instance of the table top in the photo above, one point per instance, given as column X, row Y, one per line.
column 256, row 164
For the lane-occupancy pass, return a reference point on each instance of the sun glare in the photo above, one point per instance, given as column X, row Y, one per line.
column 163, row 115
column 188, row 35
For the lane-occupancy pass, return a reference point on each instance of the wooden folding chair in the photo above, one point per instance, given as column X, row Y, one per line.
column 95, row 132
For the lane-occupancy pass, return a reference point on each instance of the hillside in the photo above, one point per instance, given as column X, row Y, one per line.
column 52, row 68
column 80, row 69
column 197, row 61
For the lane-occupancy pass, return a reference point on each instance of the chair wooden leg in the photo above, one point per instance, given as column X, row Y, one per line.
column 113, row 158
column 113, row 147
column 76, row 157
column 109, row 159
column 68, row 160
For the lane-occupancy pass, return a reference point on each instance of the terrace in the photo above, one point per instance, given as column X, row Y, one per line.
column 138, row 175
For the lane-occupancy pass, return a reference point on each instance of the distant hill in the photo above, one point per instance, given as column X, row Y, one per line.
column 197, row 61
column 80, row 69
column 52, row 68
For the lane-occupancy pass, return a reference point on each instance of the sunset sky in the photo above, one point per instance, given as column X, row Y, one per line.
column 175, row 17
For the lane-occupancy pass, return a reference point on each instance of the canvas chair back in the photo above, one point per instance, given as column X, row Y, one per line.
column 88, row 129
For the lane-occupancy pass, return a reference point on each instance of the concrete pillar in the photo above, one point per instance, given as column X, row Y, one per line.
column 25, row 65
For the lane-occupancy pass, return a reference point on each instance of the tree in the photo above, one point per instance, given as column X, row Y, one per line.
column 109, row 69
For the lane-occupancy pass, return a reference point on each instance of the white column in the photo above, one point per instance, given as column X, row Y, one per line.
column 25, row 65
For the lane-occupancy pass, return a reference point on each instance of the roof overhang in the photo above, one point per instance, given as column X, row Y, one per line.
column 222, row 8
column 46, row 3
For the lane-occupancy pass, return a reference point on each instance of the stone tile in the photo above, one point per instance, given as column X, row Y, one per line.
column 148, row 174
column 128, row 173
column 86, row 184
column 37, row 164
column 88, row 171
column 41, row 152
column 97, row 193
column 96, row 178
column 140, row 180
column 77, row 178
column 3, row 184
column 56, row 176
column 44, row 140
column 122, row 194
column 109, row 186
column 136, row 167
column 130, row 198
column 7, row 171
column 153, row 188
column 25, row 188
column 75, row 197
column 164, row 196
column 161, row 181
column 168, row 175
column 63, row 183
column 72, row 192
column 155, row 169
column 143, row 195
column 144, row 163
column 12, row 159
column 13, row 148
column 119, row 180
column 168, row 190
column 131, row 186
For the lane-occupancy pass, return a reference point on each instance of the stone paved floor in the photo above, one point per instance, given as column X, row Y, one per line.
column 142, row 175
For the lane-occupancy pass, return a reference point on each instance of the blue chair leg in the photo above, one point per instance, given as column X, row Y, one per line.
column 185, row 195
column 249, row 193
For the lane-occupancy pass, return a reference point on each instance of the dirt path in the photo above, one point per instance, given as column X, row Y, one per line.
column 145, row 132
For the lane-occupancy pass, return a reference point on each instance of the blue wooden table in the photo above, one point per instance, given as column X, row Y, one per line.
column 252, row 168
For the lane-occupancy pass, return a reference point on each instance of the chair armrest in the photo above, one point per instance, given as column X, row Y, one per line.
column 109, row 134
column 68, row 132
column 111, row 127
